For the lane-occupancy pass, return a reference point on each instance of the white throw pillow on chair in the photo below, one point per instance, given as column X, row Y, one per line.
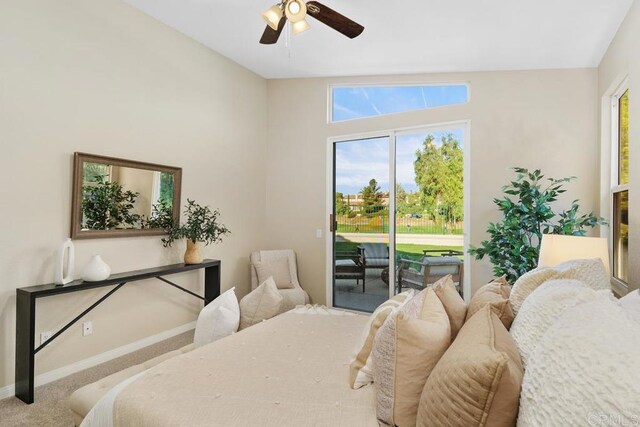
column 218, row 319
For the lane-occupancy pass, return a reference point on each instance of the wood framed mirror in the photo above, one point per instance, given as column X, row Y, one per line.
column 122, row 198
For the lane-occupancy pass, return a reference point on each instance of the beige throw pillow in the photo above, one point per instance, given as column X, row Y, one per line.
column 453, row 303
column 405, row 351
column 590, row 271
column 496, row 296
column 361, row 367
column 278, row 270
column 262, row 303
column 477, row 381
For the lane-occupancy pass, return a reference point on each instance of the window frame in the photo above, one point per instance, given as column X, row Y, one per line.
column 620, row 286
column 330, row 88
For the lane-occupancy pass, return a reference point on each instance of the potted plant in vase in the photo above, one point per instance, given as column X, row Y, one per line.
column 201, row 227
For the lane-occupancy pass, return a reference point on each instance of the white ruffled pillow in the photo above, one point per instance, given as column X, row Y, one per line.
column 631, row 303
column 585, row 368
column 589, row 271
column 543, row 307
column 218, row 319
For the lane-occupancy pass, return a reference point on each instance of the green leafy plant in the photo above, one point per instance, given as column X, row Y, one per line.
column 161, row 216
column 106, row 205
column 514, row 243
column 201, row 226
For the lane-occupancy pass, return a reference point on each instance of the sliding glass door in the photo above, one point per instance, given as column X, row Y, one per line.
column 397, row 211
column 361, row 223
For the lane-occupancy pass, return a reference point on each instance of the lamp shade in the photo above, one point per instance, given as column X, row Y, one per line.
column 295, row 10
column 300, row 26
column 556, row 249
column 272, row 16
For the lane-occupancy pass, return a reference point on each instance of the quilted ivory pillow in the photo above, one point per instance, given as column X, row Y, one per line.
column 543, row 307
column 496, row 296
column 277, row 269
column 477, row 381
column 631, row 303
column 585, row 368
column 361, row 367
column 260, row 304
column 453, row 303
column 405, row 351
column 589, row 271
column 217, row 319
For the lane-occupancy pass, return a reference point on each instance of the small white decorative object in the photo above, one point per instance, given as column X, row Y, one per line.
column 96, row 270
column 67, row 249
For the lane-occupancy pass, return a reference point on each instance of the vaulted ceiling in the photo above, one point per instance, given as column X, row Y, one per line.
column 410, row 36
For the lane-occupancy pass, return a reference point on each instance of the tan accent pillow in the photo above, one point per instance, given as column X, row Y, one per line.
column 405, row 351
column 477, row 381
column 453, row 303
column 260, row 304
column 361, row 367
column 277, row 269
column 496, row 296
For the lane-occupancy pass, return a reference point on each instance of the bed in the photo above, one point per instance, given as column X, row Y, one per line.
column 291, row 370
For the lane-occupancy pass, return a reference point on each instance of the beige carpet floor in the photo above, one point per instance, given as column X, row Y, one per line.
column 50, row 407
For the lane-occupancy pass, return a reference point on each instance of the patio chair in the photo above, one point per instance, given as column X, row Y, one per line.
column 349, row 265
column 292, row 297
column 427, row 271
column 374, row 255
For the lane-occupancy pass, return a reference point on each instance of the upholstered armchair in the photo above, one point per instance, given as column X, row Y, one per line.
column 424, row 273
column 292, row 297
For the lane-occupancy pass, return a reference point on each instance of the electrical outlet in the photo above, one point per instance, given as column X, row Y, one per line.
column 319, row 233
column 87, row 328
column 44, row 336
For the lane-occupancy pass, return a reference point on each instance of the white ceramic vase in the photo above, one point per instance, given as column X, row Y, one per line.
column 67, row 249
column 96, row 270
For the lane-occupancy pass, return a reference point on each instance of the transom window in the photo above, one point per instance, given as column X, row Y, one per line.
column 620, row 183
column 357, row 102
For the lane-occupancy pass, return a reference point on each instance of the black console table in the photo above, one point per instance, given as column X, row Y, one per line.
column 26, row 310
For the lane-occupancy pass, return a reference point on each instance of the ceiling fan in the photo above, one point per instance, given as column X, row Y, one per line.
column 296, row 11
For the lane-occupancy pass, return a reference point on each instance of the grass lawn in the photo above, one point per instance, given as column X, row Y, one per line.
column 404, row 250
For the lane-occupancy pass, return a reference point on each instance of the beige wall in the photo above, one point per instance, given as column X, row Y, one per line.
column 101, row 77
column 621, row 60
column 534, row 119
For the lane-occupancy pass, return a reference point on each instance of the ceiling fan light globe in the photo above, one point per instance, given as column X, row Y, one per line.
column 296, row 10
column 300, row 26
column 272, row 16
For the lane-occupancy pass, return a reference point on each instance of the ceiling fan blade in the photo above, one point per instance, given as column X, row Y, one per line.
column 333, row 19
column 270, row 36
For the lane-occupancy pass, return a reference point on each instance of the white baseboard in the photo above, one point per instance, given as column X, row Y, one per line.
column 56, row 374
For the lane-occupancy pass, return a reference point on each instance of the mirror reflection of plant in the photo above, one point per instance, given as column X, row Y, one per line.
column 106, row 205
column 514, row 243
column 201, row 226
column 161, row 216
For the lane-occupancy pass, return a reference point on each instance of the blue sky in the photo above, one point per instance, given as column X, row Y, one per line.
column 359, row 161
column 368, row 101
